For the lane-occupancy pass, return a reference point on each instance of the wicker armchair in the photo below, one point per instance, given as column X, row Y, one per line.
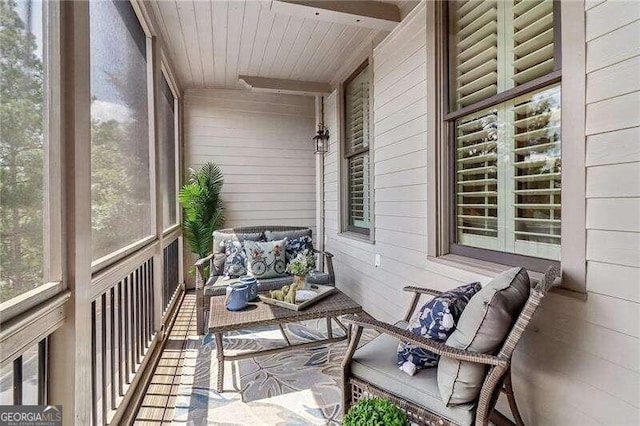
column 204, row 290
column 497, row 379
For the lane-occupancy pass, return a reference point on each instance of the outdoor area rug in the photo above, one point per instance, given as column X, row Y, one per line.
column 297, row 387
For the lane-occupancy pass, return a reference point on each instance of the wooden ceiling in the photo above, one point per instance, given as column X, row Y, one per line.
column 212, row 42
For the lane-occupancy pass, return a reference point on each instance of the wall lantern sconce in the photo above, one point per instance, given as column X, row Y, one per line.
column 321, row 139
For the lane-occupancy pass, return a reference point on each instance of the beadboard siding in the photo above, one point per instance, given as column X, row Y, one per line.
column 262, row 143
column 578, row 362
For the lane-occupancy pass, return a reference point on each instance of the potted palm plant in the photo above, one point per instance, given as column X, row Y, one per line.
column 203, row 213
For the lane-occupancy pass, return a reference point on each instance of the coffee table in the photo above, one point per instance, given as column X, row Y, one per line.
column 258, row 314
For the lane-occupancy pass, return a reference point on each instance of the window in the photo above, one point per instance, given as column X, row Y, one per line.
column 120, row 177
column 356, row 125
column 167, row 155
column 504, row 104
column 23, row 146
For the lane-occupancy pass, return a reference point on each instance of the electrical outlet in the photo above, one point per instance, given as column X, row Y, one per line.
column 377, row 261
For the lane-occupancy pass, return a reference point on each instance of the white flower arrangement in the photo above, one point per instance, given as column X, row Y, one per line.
column 302, row 264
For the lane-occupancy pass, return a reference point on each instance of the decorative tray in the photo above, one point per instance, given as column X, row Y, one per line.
column 321, row 291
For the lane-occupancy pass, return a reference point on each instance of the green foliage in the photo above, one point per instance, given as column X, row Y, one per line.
column 202, row 204
column 302, row 264
column 375, row 412
column 21, row 157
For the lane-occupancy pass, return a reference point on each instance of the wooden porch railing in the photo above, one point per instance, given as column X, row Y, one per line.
column 122, row 330
column 171, row 274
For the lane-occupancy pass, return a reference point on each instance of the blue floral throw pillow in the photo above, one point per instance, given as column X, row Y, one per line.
column 436, row 320
column 298, row 245
column 235, row 263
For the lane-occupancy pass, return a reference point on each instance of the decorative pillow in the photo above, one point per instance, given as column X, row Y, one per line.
column 235, row 263
column 298, row 245
column 482, row 328
column 219, row 238
column 281, row 235
column 436, row 320
column 266, row 259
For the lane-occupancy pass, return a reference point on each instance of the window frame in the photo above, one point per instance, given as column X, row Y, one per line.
column 103, row 263
column 362, row 233
column 52, row 279
column 555, row 76
column 569, row 51
column 176, row 148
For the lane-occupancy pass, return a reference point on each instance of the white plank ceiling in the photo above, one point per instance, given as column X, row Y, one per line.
column 211, row 42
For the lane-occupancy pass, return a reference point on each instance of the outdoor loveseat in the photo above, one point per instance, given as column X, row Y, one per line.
column 210, row 280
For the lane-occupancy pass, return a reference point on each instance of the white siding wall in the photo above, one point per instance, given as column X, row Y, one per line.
column 579, row 363
column 263, row 144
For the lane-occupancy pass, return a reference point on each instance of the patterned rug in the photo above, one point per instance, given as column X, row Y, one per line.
column 297, row 387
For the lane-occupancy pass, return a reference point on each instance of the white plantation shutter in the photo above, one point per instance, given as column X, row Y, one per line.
column 475, row 51
column 498, row 45
column 532, row 39
column 536, row 173
column 359, row 190
column 356, row 128
column 477, row 179
column 357, row 112
column 508, row 188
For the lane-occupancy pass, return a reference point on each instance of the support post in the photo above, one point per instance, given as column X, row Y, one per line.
column 70, row 346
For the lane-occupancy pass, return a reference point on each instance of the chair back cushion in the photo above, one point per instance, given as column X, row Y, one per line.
column 483, row 327
column 289, row 234
column 266, row 259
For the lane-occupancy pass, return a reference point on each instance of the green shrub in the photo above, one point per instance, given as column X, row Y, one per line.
column 375, row 412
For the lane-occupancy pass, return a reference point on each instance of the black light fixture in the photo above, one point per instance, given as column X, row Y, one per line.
column 321, row 139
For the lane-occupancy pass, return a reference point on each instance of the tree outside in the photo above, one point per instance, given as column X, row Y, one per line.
column 21, row 155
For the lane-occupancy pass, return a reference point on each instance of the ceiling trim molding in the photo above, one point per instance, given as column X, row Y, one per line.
column 363, row 13
column 290, row 87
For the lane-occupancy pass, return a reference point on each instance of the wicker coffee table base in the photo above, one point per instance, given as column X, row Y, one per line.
column 289, row 346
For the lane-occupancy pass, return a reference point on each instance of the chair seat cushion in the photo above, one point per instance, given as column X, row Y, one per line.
column 217, row 284
column 436, row 320
column 483, row 328
column 375, row 363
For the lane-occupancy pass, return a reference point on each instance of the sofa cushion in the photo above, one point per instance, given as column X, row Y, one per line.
column 217, row 285
column 298, row 245
column 375, row 363
column 279, row 235
column 436, row 320
column 482, row 328
column 266, row 259
column 218, row 262
column 220, row 237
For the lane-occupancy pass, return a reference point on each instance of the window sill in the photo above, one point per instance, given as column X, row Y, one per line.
column 27, row 301
column 363, row 238
column 490, row 269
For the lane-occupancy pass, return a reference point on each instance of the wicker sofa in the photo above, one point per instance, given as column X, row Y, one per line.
column 214, row 283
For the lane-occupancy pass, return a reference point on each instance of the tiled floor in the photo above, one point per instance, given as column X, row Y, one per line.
column 159, row 402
